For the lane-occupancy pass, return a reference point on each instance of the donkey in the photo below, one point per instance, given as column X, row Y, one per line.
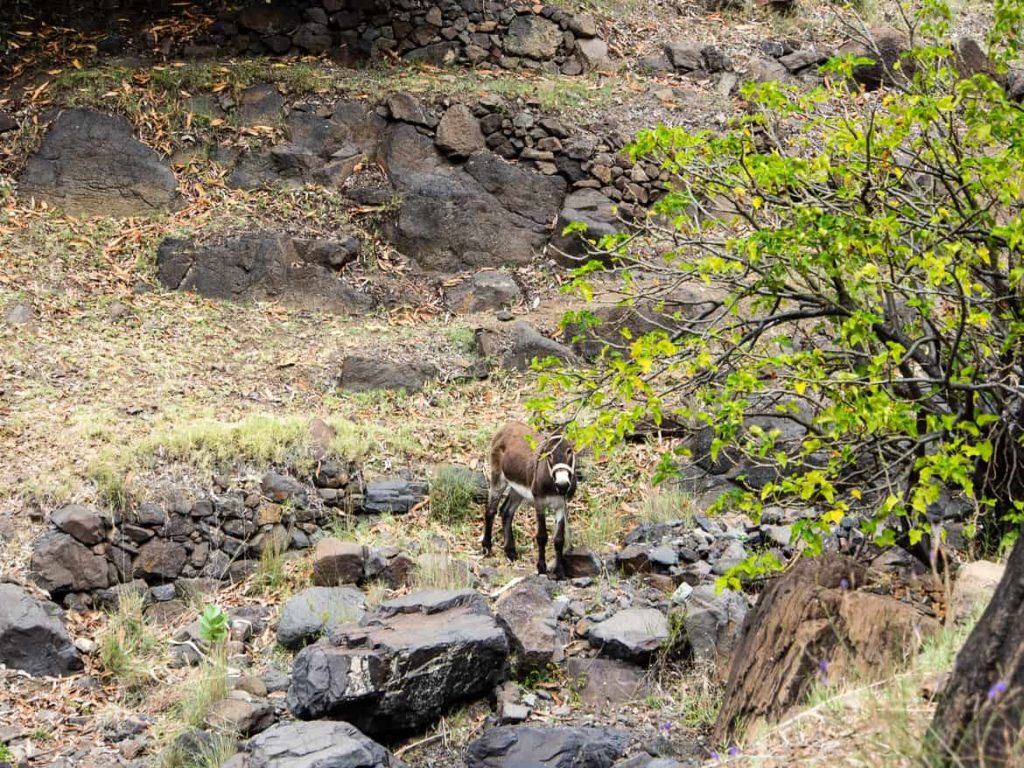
column 540, row 471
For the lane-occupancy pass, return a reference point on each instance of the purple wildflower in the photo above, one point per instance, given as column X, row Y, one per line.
column 844, row 583
column 734, row 751
column 714, row 755
column 823, row 666
column 998, row 689
column 665, row 728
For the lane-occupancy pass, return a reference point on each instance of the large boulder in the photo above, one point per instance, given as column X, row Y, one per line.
column 532, row 36
column 32, row 636
column 486, row 213
column 91, row 164
column 323, row 744
column 530, row 617
column 635, row 634
column 60, row 564
column 399, row 671
column 520, row 746
column 258, row 265
column 315, row 611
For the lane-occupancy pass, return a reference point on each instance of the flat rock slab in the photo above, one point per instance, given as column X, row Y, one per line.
column 257, row 266
column 91, row 164
column 635, row 634
column 603, row 682
column 520, row 746
column 315, row 611
column 399, row 673
column 32, row 636
column 323, row 744
column 366, row 373
column 393, row 496
column 60, row 564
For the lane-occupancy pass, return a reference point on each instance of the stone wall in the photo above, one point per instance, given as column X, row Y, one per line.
column 440, row 32
column 89, row 556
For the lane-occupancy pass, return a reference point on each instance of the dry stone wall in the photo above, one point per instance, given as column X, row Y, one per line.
column 494, row 32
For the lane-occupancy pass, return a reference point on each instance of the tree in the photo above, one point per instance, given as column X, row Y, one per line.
column 862, row 340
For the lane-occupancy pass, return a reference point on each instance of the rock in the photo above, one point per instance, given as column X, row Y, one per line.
column 527, row 344
column 85, row 524
column 533, row 36
column 323, row 744
column 258, row 265
column 32, row 636
column 269, row 19
column 315, row 611
column 260, row 104
column 885, row 47
column 282, row 488
column 971, row 58
column 581, row 563
column 530, row 618
column 815, row 616
column 431, row 601
column 590, row 208
column 408, row 109
column 483, row 291
column 602, row 682
column 486, row 213
column 635, row 634
column 459, row 132
column 338, row 562
column 712, row 622
column 583, row 25
column 520, row 746
column 593, row 52
column 313, row 37
column 159, row 560
column 364, row 373
column 91, row 164
column 60, row 564
column 7, row 122
column 242, row 713
column 398, row 673
column 767, row 71
column 685, row 56
column 975, row 583
column 393, row 496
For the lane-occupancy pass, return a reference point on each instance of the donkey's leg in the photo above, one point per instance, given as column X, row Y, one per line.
column 560, row 539
column 496, row 488
column 542, row 539
column 508, row 512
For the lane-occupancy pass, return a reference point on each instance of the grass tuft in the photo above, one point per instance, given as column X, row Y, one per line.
column 452, row 495
column 437, row 569
column 665, row 505
column 128, row 646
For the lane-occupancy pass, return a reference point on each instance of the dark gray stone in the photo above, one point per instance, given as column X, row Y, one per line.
column 483, row 291
column 520, row 746
column 322, row 744
column 712, row 621
column 363, row 373
column 159, row 560
column 533, row 36
column 60, row 564
column 459, row 133
column 91, row 164
column 527, row 344
column 635, row 634
column 399, row 673
column 592, row 209
column 393, row 496
column 32, row 636
column 530, row 618
column 86, row 524
column 311, row 613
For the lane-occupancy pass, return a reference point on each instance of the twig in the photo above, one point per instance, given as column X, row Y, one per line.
column 420, row 743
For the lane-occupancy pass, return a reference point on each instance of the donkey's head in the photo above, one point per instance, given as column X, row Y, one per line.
column 559, row 459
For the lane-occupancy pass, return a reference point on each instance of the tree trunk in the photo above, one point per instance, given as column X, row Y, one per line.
column 980, row 714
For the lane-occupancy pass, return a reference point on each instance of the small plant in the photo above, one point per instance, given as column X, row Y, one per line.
column 6, row 756
column 664, row 505
column 213, row 625
column 128, row 644
column 452, row 495
column 439, row 570
column 270, row 576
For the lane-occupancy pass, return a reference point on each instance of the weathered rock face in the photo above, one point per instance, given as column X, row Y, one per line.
column 338, row 562
column 401, row 670
column 160, row 560
column 262, row 265
column 592, row 209
column 242, row 713
column 458, row 133
column 529, row 616
column 320, row 744
column 483, row 291
column 532, row 36
column 60, row 564
column 363, row 373
column 602, row 682
column 487, row 213
column 91, row 164
column 634, row 634
column 85, row 524
column 315, row 611
column 814, row 618
column 32, row 636
column 712, row 622
column 393, row 496
column 526, row 344
column 521, row 746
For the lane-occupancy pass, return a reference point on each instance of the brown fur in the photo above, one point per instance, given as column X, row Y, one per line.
column 520, row 457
